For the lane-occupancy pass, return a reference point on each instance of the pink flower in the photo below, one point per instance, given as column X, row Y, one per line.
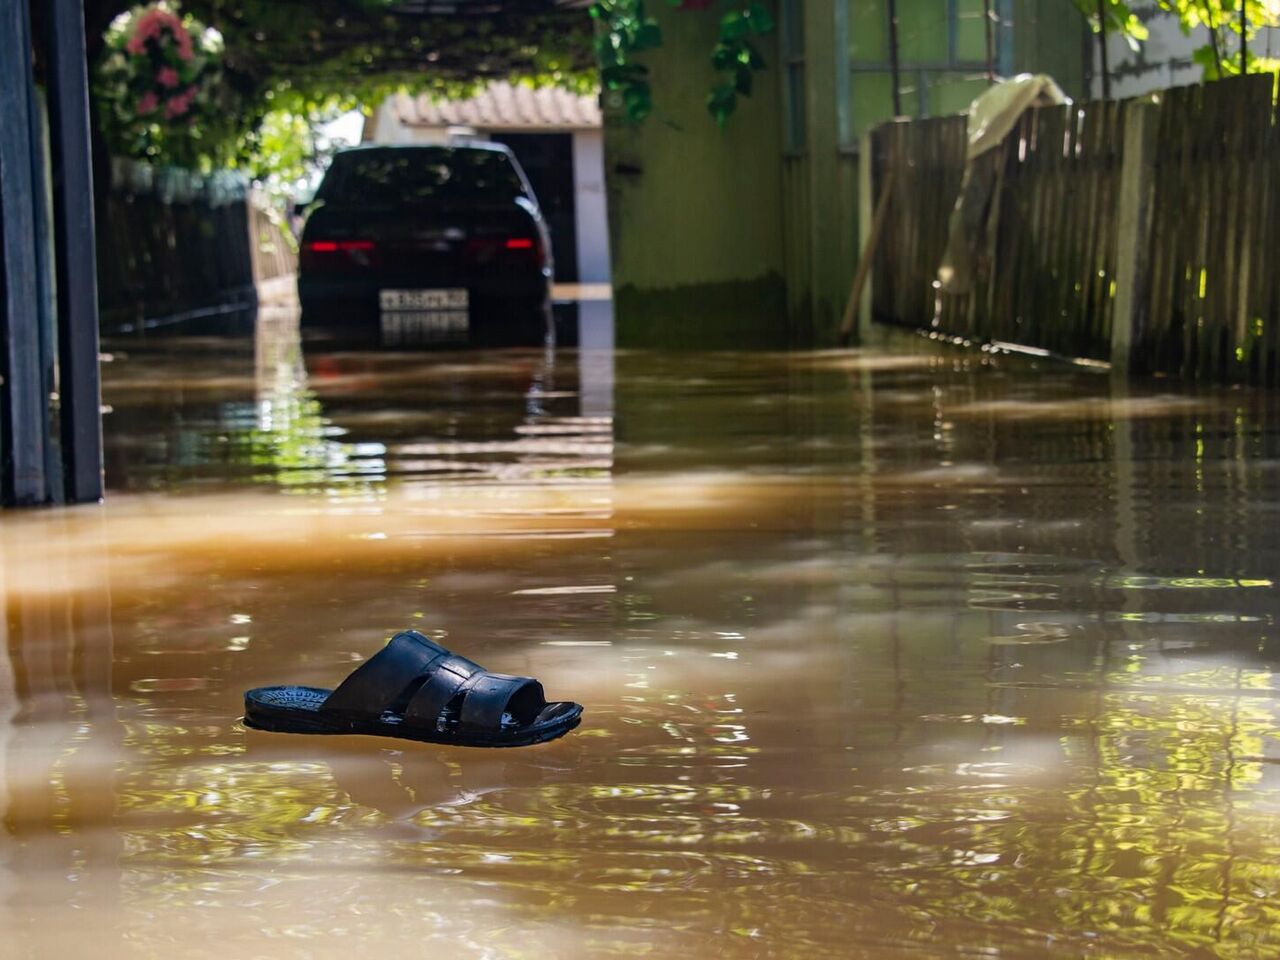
column 149, row 27
column 167, row 77
column 147, row 103
column 180, row 104
column 153, row 21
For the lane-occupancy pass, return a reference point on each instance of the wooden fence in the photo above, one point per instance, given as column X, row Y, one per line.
column 1134, row 232
column 171, row 243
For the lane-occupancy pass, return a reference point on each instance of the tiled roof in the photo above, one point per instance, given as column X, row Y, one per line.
column 502, row 106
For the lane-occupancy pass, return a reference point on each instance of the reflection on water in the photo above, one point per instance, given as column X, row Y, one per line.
column 886, row 653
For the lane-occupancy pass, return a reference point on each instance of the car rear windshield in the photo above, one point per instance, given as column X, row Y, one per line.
column 422, row 175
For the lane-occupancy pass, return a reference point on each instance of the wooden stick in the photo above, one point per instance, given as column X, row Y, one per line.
column 864, row 262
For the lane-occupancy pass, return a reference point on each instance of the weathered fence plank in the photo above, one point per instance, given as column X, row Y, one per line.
column 172, row 243
column 1158, row 217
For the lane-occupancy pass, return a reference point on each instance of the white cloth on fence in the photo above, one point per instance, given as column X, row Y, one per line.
column 992, row 117
column 995, row 113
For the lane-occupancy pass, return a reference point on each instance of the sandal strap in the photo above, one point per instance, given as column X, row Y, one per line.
column 449, row 676
column 492, row 694
column 386, row 678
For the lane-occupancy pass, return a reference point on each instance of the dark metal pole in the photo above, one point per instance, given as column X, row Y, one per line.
column 46, row 283
column 1102, row 46
column 1244, row 37
column 78, row 385
column 893, row 57
column 24, row 411
column 991, row 40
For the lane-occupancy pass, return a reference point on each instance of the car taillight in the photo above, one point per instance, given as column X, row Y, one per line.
column 338, row 253
column 491, row 250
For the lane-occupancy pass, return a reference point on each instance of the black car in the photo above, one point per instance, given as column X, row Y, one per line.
column 426, row 244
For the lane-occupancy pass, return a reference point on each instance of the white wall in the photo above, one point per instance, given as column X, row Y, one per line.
column 387, row 128
column 1164, row 60
column 590, row 209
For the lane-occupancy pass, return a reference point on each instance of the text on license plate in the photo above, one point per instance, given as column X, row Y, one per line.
column 423, row 326
column 453, row 298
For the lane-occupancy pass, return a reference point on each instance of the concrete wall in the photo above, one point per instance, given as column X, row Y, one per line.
column 590, row 210
column 385, row 127
column 695, row 212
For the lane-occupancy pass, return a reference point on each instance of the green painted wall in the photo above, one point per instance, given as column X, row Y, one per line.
column 1050, row 37
column 695, row 212
column 823, row 179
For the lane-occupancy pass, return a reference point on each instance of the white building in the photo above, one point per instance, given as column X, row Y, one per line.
column 1165, row 58
column 555, row 134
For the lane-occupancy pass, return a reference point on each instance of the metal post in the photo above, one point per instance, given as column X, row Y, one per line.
column 46, row 295
column 893, row 57
column 78, row 386
column 24, row 411
column 1102, row 47
column 1005, row 63
column 1244, row 37
column 989, row 30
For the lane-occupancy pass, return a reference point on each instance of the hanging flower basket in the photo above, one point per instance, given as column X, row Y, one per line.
column 157, row 86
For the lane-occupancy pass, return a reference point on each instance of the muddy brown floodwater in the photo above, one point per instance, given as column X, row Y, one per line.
column 901, row 652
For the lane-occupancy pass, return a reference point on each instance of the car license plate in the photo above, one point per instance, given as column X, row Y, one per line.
column 424, row 326
column 453, row 298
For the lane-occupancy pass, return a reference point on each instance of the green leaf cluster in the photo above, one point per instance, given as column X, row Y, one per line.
column 1117, row 18
column 1226, row 53
column 736, row 56
column 625, row 29
column 286, row 65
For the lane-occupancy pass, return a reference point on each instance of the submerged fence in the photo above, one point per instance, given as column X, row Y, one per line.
column 1139, row 232
column 171, row 242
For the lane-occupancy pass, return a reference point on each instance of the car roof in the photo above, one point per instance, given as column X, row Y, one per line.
column 407, row 147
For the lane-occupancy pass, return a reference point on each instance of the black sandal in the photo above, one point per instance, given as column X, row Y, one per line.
column 417, row 690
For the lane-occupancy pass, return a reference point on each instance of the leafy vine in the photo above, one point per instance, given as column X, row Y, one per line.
column 625, row 29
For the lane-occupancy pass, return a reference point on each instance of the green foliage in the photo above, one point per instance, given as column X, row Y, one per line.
column 1119, row 18
column 1225, row 54
column 285, row 149
column 624, row 29
column 736, row 55
column 283, row 65
column 1221, row 18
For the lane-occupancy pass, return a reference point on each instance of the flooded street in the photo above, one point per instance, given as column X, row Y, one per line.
column 901, row 652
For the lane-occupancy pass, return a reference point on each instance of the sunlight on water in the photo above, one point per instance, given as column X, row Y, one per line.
column 894, row 652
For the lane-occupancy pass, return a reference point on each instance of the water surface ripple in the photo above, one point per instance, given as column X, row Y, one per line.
column 884, row 653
